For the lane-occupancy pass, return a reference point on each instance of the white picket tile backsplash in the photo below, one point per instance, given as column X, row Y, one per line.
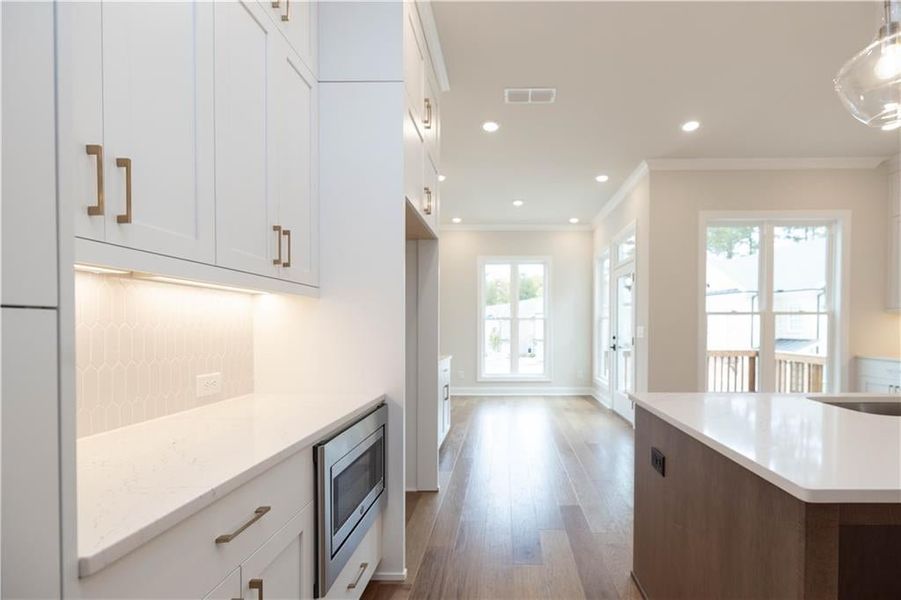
column 141, row 344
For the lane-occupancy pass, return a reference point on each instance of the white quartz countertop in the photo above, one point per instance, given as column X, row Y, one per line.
column 812, row 450
column 138, row 481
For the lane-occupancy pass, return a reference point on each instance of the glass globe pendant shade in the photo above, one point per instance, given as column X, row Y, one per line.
column 869, row 85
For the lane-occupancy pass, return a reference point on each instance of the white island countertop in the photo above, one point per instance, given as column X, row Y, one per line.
column 138, row 481
column 812, row 450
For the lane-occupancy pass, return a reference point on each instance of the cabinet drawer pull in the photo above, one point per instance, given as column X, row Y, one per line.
column 278, row 233
column 125, row 163
column 257, row 515
column 427, row 122
column 97, row 150
column 287, row 15
column 256, row 584
column 287, row 234
column 428, row 200
column 356, row 582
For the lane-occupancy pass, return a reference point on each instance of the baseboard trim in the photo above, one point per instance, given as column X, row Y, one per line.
column 520, row 390
column 599, row 397
column 390, row 575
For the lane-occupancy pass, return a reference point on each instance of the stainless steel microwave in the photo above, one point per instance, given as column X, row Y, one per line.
column 350, row 481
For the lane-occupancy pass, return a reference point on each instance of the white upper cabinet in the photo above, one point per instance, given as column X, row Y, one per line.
column 151, row 182
column 158, row 129
column 414, row 63
column 29, row 182
column 246, row 210
column 293, row 143
column 188, row 130
column 296, row 21
column 432, row 117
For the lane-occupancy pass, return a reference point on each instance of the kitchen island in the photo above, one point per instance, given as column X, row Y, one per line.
column 765, row 496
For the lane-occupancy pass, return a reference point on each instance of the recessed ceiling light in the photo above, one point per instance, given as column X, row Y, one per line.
column 441, row 178
column 574, row 220
column 518, row 203
column 457, row 220
column 689, row 126
column 490, row 126
column 601, row 178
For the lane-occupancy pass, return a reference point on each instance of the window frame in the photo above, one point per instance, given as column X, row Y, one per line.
column 514, row 262
column 837, row 289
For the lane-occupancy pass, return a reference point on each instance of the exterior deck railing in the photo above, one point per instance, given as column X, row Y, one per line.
column 736, row 371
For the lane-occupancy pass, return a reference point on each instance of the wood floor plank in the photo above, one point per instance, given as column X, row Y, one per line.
column 561, row 573
column 535, row 501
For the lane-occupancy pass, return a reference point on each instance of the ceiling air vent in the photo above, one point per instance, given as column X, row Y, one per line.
column 530, row 95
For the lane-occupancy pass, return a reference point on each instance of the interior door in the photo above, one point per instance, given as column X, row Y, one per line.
column 623, row 341
column 157, row 113
column 245, row 208
column 293, row 143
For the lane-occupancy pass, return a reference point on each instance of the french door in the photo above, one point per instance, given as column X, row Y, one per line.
column 622, row 340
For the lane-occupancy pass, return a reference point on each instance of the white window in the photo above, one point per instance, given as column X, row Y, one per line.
column 513, row 318
column 602, row 319
column 770, row 298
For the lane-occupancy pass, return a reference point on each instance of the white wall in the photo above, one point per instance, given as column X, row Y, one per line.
column 678, row 197
column 666, row 207
column 570, row 305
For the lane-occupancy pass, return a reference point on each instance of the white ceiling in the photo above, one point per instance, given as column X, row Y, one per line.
column 758, row 75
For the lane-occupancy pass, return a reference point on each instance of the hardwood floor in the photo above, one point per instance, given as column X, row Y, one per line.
column 535, row 502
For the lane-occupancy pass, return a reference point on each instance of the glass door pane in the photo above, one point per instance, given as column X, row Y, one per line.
column 800, row 305
column 497, row 316
column 624, row 319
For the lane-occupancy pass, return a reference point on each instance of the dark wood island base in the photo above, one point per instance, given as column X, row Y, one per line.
column 709, row 528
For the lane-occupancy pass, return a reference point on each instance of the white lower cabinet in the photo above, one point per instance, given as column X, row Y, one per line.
column 283, row 568
column 29, row 522
column 228, row 589
column 444, row 405
column 878, row 375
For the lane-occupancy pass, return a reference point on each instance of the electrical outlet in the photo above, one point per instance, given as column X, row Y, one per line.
column 658, row 461
column 461, row 375
column 209, row 384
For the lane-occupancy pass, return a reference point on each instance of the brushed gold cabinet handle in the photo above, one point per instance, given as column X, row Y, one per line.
column 276, row 3
column 287, row 234
column 428, row 196
column 257, row 515
column 125, row 163
column 287, row 15
column 428, row 114
column 256, row 584
column 278, row 232
column 97, row 150
column 356, row 582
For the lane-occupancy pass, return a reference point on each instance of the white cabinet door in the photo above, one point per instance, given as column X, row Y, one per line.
column 157, row 114
column 228, row 589
column 29, row 525
column 413, row 164
column 432, row 117
column 296, row 21
column 284, row 567
column 414, row 63
column 431, row 205
column 245, row 208
column 28, row 170
column 79, row 41
column 293, row 147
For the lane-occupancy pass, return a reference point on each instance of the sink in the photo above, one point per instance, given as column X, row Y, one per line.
column 874, row 405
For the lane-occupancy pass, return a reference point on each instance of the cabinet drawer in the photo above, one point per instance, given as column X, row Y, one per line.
column 186, row 561
column 361, row 565
column 879, row 369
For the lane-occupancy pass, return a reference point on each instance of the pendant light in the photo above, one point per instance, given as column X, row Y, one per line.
column 869, row 84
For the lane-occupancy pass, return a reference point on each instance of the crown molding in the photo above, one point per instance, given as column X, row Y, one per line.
column 515, row 227
column 763, row 164
column 430, row 31
column 640, row 172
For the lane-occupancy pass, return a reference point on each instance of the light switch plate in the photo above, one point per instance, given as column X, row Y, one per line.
column 209, row 384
